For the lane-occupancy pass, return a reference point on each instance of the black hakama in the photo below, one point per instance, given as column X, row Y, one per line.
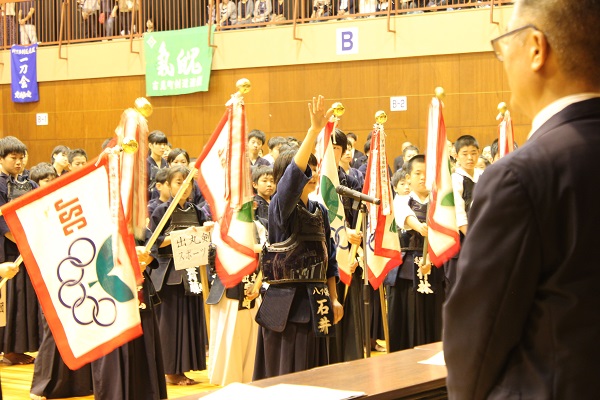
column 286, row 338
column 182, row 327
column 23, row 327
column 135, row 370
column 295, row 349
column 349, row 332
column 51, row 376
column 415, row 318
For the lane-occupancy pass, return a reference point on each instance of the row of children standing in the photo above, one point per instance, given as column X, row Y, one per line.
column 234, row 332
column 415, row 317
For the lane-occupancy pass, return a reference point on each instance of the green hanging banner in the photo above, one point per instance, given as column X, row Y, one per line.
column 178, row 62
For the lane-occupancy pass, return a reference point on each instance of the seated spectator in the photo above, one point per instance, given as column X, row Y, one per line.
column 228, row 13
column 280, row 12
column 262, row 10
column 321, row 9
column 245, row 8
column 346, row 7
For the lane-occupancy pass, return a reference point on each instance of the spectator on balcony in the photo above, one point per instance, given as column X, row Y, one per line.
column 262, row 10
column 382, row 5
column 346, row 7
column 228, row 13
column 280, row 12
column 321, row 8
column 89, row 24
column 367, row 6
column 8, row 10
column 27, row 23
column 245, row 9
column 107, row 17
column 125, row 15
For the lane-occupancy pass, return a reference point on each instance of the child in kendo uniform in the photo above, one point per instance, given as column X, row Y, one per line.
column 180, row 314
column 415, row 318
column 300, row 306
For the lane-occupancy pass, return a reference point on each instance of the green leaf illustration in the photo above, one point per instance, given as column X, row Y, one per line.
column 113, row 285
column 245, row 213
column 332, row 201
column 448, row 200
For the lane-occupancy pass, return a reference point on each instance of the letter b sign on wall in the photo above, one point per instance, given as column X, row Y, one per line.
column 347, row 41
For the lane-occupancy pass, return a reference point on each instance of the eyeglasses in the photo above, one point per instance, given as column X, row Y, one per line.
column 496, row 42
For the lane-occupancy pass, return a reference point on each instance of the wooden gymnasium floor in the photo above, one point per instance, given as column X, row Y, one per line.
column 16, row 381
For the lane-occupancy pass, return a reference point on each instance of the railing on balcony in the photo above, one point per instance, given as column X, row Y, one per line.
column 68, row 21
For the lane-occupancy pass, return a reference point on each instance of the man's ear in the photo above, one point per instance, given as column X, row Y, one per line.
column 538, row 50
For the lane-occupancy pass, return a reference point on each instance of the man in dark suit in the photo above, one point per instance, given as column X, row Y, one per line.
column 523, row 320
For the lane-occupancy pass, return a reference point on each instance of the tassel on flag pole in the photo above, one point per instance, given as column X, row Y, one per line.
column 383, row 251
column 506, row 135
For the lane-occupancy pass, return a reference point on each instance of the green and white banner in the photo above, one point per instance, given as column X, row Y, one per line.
column 177, row 62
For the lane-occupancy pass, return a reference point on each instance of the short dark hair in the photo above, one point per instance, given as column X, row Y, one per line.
column 276, row 141
column 11, row 144
column 288, row 146
column 175, row 170
column 261, row 170
column 352, row 135
column 485, row 161
column 409, row 147
column 162, row 175
column 176, row 152
column 398, row 176
column 285, row 159
column 42, row 171
column 60, row 149
column 257, row 134
column 367, row 146
column 464, row 141
column 157, row 137
column 282, row 162
column 568, row 27
column 494, row 148
column 419, row 158
column 76, row 153
column 339, row 138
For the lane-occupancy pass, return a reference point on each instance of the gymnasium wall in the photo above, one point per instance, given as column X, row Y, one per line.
column 85, row 94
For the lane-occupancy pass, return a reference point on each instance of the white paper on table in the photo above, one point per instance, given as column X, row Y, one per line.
column 281, row 391
column 190, row 248
column 436, row 359
column 302, row 392
column 236, row 391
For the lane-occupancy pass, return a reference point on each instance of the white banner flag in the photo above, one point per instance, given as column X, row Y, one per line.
column 64, row 232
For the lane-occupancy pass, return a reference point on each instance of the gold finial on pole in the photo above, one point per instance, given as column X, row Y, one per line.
column 338, row 109
column 440, row 93
column 143, row 106
column 380, row 117
column 502, row 108
column 243, row 86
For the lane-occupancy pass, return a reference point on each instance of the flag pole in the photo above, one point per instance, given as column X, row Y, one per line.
column 17, row 262
column 381, row 118
column 170, row 210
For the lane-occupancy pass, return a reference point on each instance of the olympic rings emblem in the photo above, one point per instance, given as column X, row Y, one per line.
column 72, row 292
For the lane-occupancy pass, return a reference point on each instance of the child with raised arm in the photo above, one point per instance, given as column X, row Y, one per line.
column 300, row 306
